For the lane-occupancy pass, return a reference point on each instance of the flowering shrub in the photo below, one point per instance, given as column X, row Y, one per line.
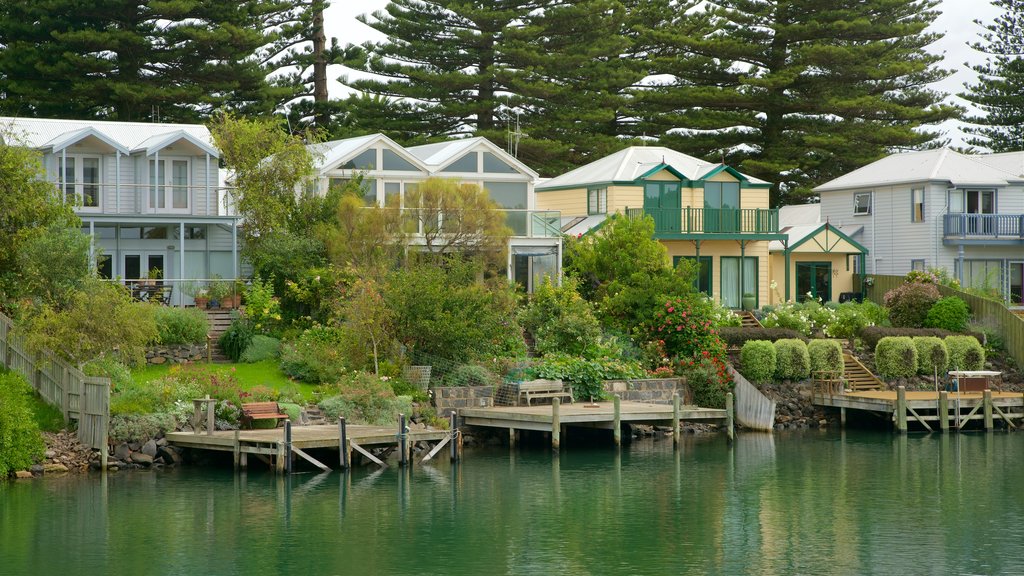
column 709, row 381
column 364, row 397
column 909, row 303
column 685, row 326
column 833, row 320
column 262, row 308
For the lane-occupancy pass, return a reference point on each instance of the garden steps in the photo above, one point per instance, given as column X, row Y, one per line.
column 747, row 319
column 219, row 321
column 858, row 377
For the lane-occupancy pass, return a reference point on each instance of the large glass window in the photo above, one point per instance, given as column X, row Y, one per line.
column 983, row 275
column 662, row 202
column 366, row 160
column 732, row 286
column 79, row 179
column 392, row 161
column 169, row 184
column 467, row 163
column 721, row 206
column 813, row 280
column 493, row 164
column 508, row 194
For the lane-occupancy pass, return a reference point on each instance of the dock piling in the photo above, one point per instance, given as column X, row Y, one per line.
column 617, row 420
column 343, row 449
column 675, row 420
column 403, row 449
column 556, row 425
column 237, row 452
column 987, row 404
column 287, row 446
column 456, row 437
column 730, row 427
column 944, row 411
column 901, row 409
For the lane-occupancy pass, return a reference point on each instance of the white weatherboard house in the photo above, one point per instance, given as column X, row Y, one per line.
column 938, row 209
column 149, row 194
column 391, row 170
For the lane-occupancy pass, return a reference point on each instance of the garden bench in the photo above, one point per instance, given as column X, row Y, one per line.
column 543, row 389
column 252, row 411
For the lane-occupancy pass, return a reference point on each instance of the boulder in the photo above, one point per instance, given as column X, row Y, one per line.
column 168, row 455
column 122, row 451
column 23, row 474
column 54, row 468
column 149, row 448
column 157, row 360
column 142, row 458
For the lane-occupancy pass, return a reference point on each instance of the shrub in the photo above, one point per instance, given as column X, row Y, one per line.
column 949, row 314
column 363, row 397
column 140, row 427
column 261, row 348
column 315, row 357
column 932, row 355
column 826, row 355
column 739, row 336
column 792, row 359
column 758, row 360
column 586, row 376
column 559, row 319
column 853, row 317
column 873, row 334
column 20, row 441
column 684, row 326
column 896, row 357
column 470, row 375
column 262, row 308
column 909, row 303
column 180, row 325
column 965, row 353
column 709, row 382
column 119, row 374
column 236, row 338
column 789, row 317
column 142, row 400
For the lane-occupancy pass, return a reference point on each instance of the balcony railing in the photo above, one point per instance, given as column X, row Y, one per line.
column 524, row 223
column 134, row 198
column 1009, row 226
column 710, row 220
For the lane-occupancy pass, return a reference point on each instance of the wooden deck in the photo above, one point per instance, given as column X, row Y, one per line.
column 927, row 407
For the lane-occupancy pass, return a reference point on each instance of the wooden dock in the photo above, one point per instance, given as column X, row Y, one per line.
column 557, row 417
column 931, row 410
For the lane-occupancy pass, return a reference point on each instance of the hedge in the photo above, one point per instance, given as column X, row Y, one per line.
column 792, row 359
column 965, row 353
column 736, row 336
column 872, row 334
column 758, row 360
column 896, row 357
column 932, row 355
column 826, row 355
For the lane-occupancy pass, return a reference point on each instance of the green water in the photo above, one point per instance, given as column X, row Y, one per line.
column 811, row 503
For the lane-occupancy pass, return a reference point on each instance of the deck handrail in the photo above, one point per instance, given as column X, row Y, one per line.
column 691, row 220
column 983, row 225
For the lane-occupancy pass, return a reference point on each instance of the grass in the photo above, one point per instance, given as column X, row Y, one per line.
column 263, row 373
column 47, row 416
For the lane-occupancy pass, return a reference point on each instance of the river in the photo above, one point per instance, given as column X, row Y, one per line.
column 853, row 502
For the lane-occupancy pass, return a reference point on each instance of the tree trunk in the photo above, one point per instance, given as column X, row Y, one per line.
column 321, row 117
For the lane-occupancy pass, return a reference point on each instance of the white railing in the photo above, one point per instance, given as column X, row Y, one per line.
column 135, row 198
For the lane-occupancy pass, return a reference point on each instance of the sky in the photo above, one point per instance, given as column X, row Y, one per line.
column 956, row 21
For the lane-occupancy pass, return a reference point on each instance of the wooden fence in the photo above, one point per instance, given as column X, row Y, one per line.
column 80, row 398
column 986, row 312
column 753, row 409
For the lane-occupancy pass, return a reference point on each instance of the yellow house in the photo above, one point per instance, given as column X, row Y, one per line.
column 819, row 260
column 704, row 211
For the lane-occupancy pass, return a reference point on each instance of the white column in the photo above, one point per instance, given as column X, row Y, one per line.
column 181, row 263
column 234, row 246
column 207, row 183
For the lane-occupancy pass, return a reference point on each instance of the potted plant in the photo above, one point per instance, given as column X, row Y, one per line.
column 199, row 293
column 749, row 301
column 218, row 292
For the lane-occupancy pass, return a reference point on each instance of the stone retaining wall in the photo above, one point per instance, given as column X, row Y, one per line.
column 176, row 354
column 447, row 398
column 653, row 390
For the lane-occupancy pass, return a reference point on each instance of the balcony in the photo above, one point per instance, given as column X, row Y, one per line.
column 983, row 228
column 131, row 198
column 524, row 223
column 757, row 223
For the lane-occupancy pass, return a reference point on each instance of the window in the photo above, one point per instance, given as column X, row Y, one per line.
column 703, row 280
column 722, row 207
column 507, row 194
column 917, row 265
column 393, row 194
column 917, row 205
column 493, row 164
column 366, row 160
column 392, row 161
column 368, row 186
column 862, row 203
column 79, row 179
column 983, row 275
column 465, row 164
column 597, row 201
column 972, row 201
column 730, row 282
column 191, row 233
column 168, row 185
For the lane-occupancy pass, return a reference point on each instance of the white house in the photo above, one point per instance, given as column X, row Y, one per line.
column 390, row 171
column 938, row 209
column 149, row 194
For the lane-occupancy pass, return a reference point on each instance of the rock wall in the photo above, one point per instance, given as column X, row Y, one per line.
column 447, row 398
column 176, row 354
column 652, row 390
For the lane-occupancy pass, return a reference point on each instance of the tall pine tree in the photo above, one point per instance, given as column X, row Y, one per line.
column 796, row 92
column 999, row 91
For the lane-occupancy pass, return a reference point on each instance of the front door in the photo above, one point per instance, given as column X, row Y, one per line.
column 814, row 279
column 662, row 202
column 1016, row 283
column 137, row 265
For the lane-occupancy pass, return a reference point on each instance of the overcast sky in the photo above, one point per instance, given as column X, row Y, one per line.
column 956, row 22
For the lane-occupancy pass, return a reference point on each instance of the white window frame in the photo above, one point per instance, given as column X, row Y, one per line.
column 597, row 201
column 856, row 204
column 913, row 205
column 166, row 188
column 76, row 187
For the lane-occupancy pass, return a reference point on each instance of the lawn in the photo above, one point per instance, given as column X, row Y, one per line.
column 264, row 373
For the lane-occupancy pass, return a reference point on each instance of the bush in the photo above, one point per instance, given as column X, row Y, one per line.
column 792, row 360
column 757, row 358
column 965, row 353
column 262, row 308
column 896, row 357
column 316, row 357
column 585, row 376
column 140, row 427
column 237, row 338
column 788, row 317
column 873, row 334
column 932, row 355
column 826, row 355
column 363, row 397
column 20, row 441
column 559, row 319
column 709, row 382
column 470, row 375
column 684, row 326
column 909, row 303
column 949, row 314
column 739, row 336
column 180, row 325
column 261, row 348
column 119, row 374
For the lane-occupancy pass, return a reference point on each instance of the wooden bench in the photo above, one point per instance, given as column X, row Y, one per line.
column 252, row 411
column 543, row 389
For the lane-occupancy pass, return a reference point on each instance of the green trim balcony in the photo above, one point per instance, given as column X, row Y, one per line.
column 712, row 223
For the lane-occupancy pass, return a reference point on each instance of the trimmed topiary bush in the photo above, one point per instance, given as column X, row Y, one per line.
column 757, row 359
column 965, row 353
column 826, row 355
column 932, row 355
column 872, row 334
column 792, row 360
column 909, row 303
column 896, row 357
column 949, row 314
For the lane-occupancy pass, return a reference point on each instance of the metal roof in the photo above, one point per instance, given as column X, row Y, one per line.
column 940, row 164
column 47, row 132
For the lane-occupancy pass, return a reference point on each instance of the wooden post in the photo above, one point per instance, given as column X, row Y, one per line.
column 675, row 419
column 288, row 446
column 279, row 462
column 842, row 417
column 987, row 399
column 901, row 409
column 402, row 453
column 617, row 420
column 511, row 437
column 730, row 428
column 236, row 452
column 209, row 349
column 104, row 457
column 944, row 411
column 456, row 439
column 343, row 449
column 556, row 424
column 210, row 422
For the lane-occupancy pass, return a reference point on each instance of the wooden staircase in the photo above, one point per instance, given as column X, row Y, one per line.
column 858, row 377
column 219, row 321
column 747, row 319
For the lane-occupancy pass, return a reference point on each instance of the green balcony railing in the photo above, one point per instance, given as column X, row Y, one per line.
column 710, row 220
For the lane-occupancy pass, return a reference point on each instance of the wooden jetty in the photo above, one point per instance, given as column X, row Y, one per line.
column 944, row 410
column 557, row 417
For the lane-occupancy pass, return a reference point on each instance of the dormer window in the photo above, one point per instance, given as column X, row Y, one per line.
column 862, row 203
column 79, row 179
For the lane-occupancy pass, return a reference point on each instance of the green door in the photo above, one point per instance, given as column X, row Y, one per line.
column 662, row 202
column 814, row 278
column 721, row 207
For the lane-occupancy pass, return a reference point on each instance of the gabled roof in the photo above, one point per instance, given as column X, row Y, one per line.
column 158, row 142
column 440, row 154
column 336, row 151
column 938, row 165
column 636, row 162
column 825, row 238
column 50, row 134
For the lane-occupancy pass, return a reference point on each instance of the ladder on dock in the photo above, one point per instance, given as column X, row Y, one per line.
column 857, row 376
column 747, row 319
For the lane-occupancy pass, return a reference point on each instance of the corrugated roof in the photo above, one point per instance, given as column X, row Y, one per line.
column 800, row 215
column 631, row 163
column 940, row 164
column 43, row 132
column 1012, row 162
